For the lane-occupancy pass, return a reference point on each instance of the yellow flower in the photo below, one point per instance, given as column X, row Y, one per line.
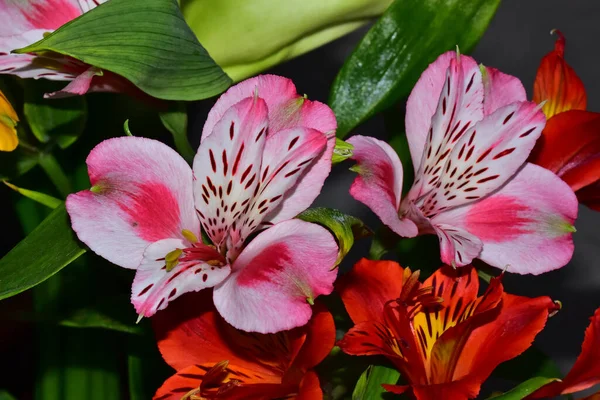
column 8, row 123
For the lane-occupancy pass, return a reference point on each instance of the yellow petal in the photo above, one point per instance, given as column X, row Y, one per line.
column 6, row 109
column 8, row 137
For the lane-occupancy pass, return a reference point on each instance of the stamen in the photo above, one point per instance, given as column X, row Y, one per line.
column 172, row 259
column 189, row 235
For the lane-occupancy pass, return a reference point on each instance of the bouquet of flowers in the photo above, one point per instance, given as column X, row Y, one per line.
column 240, row 288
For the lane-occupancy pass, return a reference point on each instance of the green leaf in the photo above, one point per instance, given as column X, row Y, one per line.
column 145, row 41
column 41, row 198
column 44, row 252
column 176, row 122
column 94, row 317
column 55, row 172
column 397, row 49
column 524, row 389
column 342, row 151
column 60, row 120
column 4, row 395
column 369, row 387
column 346, row 228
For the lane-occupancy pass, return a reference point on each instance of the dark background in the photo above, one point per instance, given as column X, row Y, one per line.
column 517, row 38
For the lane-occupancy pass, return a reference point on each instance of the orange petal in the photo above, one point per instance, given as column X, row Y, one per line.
column 458, row 289
column 557, row 83
column 235, row 379
column 457, row 390
column 368, row 287
column 320, row 339
column 367, row 339
column 448, row 349
column 508, row 331
column 586, row 370
column 310, row 388
column 192, row 332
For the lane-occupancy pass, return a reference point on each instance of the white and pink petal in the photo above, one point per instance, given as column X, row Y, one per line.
column 459, row 107
column 501, row 90
column 307, row 187
column 486, row 157
column 289, row 154
column 379, row 182
column 155, row 286
column 277, row 276
column 141, row 193
column 526, row 226
column 227, row 169
column 287, row 109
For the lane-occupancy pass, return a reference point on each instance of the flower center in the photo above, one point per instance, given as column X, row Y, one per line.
column 198, row 251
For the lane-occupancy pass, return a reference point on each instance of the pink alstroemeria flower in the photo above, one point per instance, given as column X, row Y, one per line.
column 264, row 156
column 24, row 22
column 470, row 130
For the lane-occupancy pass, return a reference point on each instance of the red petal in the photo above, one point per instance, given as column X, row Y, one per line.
column 320, row 339
column 557, row 83
column 449, row 348
column 504, row 334
column 570, row 146
column 586, row 371
column 249, row 384
column 457, row 390
column 191, row 332
column 310, row 388
column 368, row 286
column 590, row 196
column 366, row 339
column 396, row 389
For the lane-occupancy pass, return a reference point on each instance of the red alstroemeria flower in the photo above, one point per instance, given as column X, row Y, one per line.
column 586, row 370
column 215, row 361
column 443, row 338
column 570, row 142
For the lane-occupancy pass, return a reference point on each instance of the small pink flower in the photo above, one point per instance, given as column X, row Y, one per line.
column 470, row 133
column 264, row 156
column 25, row 22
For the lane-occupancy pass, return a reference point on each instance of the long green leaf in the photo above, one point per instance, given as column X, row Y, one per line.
column 388, row 61
column 44, row 252
column 524, row 389
column 369, row 386
column 145, row 41
column 42, row 198
column 346, row 228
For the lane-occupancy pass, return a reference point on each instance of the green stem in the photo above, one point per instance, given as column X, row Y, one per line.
column 56, row 174
column 377, row 249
